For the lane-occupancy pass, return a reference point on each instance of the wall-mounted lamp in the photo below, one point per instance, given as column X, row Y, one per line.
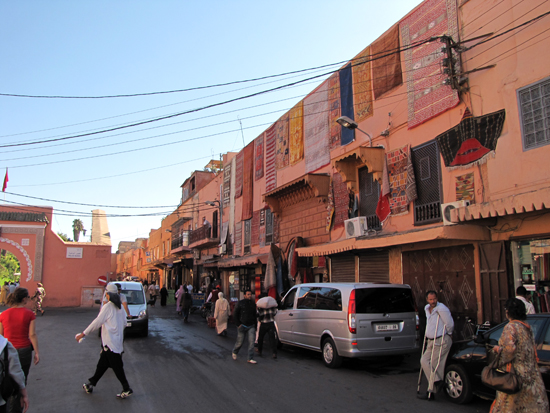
column 168, row 230
column 350, row 124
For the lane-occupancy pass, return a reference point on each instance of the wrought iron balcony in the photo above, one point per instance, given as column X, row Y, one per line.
column 202, row 237
column 180, row 239
column 427, row 213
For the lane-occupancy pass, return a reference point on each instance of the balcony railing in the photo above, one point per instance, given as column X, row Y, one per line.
column 373, row 222
column 180, row 239
column 200, row 234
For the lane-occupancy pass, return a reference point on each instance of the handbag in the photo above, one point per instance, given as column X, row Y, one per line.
column 506, row 382
column 8, row 386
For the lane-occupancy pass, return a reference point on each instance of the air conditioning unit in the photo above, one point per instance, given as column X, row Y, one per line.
column 355, row 227
column 448, row 207
column 222, row 249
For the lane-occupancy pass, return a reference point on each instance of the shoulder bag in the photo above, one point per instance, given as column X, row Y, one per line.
column 8, row 386
column 497, row 379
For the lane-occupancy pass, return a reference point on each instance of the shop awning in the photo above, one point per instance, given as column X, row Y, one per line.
column 347, row 164
column 306, row 187
column 242, row 261
column 449, row 232
column 514, row 204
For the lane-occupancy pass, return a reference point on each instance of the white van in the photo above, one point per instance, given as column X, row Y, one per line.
column 349, row 320
column 138, row 321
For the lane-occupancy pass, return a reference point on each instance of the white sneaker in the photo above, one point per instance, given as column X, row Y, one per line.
column 234, row 356
column 252, row 361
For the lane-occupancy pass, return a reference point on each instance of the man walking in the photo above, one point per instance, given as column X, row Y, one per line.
column 245, row 318
column 112, row 320
column 439, row 330
column 266, row 317
column 522, row 294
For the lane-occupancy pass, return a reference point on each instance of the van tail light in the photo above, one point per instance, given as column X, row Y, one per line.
column 351, row 313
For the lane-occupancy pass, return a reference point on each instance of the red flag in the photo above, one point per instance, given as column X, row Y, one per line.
column 383, row 209
column 6, row 179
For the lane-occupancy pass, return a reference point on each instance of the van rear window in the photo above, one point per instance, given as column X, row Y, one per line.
column 383, row 300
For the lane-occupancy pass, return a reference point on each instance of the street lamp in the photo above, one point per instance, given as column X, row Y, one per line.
column 213, row 203
column 350, row 124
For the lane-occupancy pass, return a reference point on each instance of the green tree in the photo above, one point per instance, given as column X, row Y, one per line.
column 9, row 266
column 78, row 227
column 64, row 237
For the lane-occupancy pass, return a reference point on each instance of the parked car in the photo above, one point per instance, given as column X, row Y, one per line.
column 138, row 321
column 349, row 320
column 468, row 358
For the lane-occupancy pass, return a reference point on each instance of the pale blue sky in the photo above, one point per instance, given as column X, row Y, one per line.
column 94, row 48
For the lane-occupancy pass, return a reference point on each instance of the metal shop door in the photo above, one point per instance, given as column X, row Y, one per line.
column 449, row 271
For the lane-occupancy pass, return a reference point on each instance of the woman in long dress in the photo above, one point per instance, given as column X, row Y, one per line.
column 4, row 293
column 221, row 314
column 517, row 346
column 179, row 297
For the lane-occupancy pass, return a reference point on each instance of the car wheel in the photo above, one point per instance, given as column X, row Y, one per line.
column 457, row 384
column 330, row 354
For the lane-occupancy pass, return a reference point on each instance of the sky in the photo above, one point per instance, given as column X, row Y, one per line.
column 79, row 148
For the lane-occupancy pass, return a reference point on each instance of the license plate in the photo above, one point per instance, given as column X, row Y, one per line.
column 128, row 324
column 387, row 327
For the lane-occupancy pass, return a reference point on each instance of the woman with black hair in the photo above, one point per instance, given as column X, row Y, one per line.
column 112, row 320
column 517, row 347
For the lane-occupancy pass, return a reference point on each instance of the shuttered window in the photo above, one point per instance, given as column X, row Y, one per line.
column 342, row 268
column 427, row 171
column 374, row 267
column 369, row 192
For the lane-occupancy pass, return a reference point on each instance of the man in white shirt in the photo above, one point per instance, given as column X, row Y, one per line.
column 439, row 330
column 112, row 320
column 522, row 294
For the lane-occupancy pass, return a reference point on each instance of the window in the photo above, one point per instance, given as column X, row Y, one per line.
column 427, row 207
column 215, row 224
column 369, row 192
column 383, row 300
column 494, row 336
column 247, row 235
column 318, row 298
column 534, row 111
column 268, row 226
column 288, row 303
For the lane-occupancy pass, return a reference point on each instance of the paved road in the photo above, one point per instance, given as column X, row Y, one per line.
column 186, row 367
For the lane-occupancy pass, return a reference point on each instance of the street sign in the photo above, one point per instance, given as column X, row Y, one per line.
column 102, row 280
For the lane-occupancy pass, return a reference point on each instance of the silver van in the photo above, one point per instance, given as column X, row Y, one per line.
column 138, row 320
column 349, row 320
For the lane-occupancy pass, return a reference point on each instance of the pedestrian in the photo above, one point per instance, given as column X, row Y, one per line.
column 522, row 295
column 16, row 373
column 221, row 314
column 179, row 298
column 439, row 330
column 4, row 293
column 12, row 287
column 17, row 325
column 245, row 318
column 517, row 347
column 39, row 297
column 112, row 321
column 152, row 294
column 163, row 296
column 267, row 308
column 123, row 299
column 187, row 303
column 190, row 288
column 213, row 297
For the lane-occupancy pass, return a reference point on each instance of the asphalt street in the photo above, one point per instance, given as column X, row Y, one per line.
column 187, row 367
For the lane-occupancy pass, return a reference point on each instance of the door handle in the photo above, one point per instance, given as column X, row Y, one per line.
column 290, row 314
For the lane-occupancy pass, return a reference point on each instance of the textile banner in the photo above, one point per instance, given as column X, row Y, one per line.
column 362, row 86
column 270, row 172
column 255, row 229
column 341, row 200
column 238, row 238
column 346, row 103
column 281, row 142
column 296, row 133
column 259, row 157
column 330, row 205
column 427, row 96
column 386, row 63
column 472, row 139
column 465, row 189
column 239, row 174
column 397, row 161
column 226, row 185
column 248, row 181
column 410, row 189
column 334, row 102
column 316, row 129
column 383, row 209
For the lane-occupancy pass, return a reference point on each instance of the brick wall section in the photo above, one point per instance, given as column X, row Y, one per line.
column 306, row 219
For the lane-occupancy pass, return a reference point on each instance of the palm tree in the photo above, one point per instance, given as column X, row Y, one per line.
column 78, row 227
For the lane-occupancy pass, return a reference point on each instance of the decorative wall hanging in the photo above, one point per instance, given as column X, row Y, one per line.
column 316, row 129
